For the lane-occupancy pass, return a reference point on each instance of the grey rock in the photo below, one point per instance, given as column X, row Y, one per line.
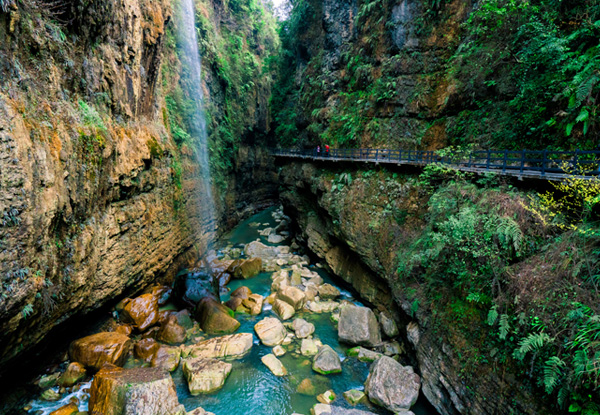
column 359, row 326
column 327, row 361
column 391, row 385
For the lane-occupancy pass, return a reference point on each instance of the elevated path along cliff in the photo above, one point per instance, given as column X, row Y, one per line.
column 523, row 164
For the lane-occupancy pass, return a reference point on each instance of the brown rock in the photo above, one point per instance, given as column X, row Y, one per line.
column 242, row 292
column 293, row 296
column 283, row 309
column 162, row 294
column 139, row 391
column 95, row 350
column 125, row 329
column 69, row 409
column 171, row 332
column 254, row 303
column 167, row 358
column 151, row 333
column 145, row 349
column 215, row 318
column 234, row 303
column 142, row 311
column 164, row 315
column 245, row 268
column 74, row 373
column 205, row 375
column 233, row 345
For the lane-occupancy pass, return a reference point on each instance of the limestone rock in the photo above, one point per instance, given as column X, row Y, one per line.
column 254, row 303
column 48, row 381
column 138, row 391
column 74, row 373
column 142, row 311
column 391, row 385
column 354, row 396
column 50, row 395
column 280, row 281
column 95, row 350
column 145, row 349
column 236, row 304
column 359, row 326
column 171, row 332
column 270, row 331
column 293, row 296
column 308, row 347
column 388, row 325
column 69, row 409
column 303, row 328
column 364, row 355
column 326, row 397
column 167, row 358
column 274, row 365
column 260, row 250
column 234, row 345
column 215, row 318
column 278, row 351
column 241, row 292
column 320, row 409
column 328, row 292
column 205, row 375
column 322, row 306
column 275, row 239
column 245, row 269
column 199, row 411
column 283, row 309
column 327, row 361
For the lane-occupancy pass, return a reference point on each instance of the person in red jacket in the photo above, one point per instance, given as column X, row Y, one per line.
column 326, row 150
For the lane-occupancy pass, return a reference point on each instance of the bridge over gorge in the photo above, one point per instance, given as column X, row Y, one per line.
column 536, row 164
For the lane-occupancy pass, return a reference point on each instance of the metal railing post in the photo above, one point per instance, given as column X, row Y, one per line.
column 504, row 163
column 488, row 159
column 544, row 164
column 522, row 161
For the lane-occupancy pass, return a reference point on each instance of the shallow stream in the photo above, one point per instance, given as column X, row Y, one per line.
column 251, row 387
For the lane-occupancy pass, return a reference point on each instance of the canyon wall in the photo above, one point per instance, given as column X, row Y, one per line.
column 98, row 190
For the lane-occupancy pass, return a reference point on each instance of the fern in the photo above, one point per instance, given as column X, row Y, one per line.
column 504, row 326
column 511, row 233
column 492, row 315
column 533, row 341
column 553, row 373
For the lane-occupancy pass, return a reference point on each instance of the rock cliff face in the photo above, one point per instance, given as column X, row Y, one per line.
column 357, row 224
column 97, row 197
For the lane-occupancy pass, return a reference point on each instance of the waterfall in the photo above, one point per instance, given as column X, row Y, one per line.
column 192, row 83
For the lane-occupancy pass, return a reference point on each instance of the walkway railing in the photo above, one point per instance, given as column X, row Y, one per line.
column 549, row 165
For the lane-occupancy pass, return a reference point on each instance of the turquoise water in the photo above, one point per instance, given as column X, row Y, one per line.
column 251, row 387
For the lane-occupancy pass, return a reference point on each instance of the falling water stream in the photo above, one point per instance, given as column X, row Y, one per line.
column 191, row 78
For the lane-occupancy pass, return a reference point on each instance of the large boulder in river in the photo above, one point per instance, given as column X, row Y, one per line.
column 205, row 375
column 244, row 269
column 142, row 311
column 293, row 296
column 302, row 328
column 254, row 304
column 388, row 325
column 283, row 309
column 138, row 391
column 391, row 385
column 95, row 350
column 328, row 292
column 270, row 331
column 171, row 332
column 214, row 317
column 74, row 373
column 167, row 358
column 260, row 250
column 190, row 288
column 234, row 345
column 274, row 365
column 327, row 361
column 358, row 325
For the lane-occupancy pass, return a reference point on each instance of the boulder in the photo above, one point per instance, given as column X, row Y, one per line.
column 359, row 326
column 275, row 239
column 236, row 304
column 161, row 292
column 320, row 409
column 190, row 288
column 254, row 303
column 364, row 355
column 327, row 361
column 388, row 325
column 283, row 310
column 74, row 373
column 242, row 292
column 354, row 396
column 184, row 319
column 48, row 381
column 171, row 332
column 274, row 365
column 50, row 395
column 303, row 328
column 235, row 345
column 310, row 292
column 260, row 250
column 270, row 331
column 199, row 411
column 293, row 296
column 391, row 385
column 214, row 317
column 245, row 268
column 167, row 358
column 205, row 375
column 138, row 391
column 95, row 350
column 391, row 348
column 308, row 347
column 280, row 281
column 326, row 397
column 328, row 292
column 125, row 329
column 278, row 351
column 142, row 311
column 322, row 306
column 145, row 349
column 69, row 409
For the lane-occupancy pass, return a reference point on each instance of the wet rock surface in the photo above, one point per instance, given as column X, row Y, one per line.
column 358, row 325
column 205, row 375
column 95, row 350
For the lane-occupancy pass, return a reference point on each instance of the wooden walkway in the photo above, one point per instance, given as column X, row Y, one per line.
column 524, row 164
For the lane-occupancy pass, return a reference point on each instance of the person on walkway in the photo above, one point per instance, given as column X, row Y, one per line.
column 326, row 150
column 318, row 151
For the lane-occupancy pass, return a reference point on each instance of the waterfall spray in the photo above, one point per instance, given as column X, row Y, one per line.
column 191, row 61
